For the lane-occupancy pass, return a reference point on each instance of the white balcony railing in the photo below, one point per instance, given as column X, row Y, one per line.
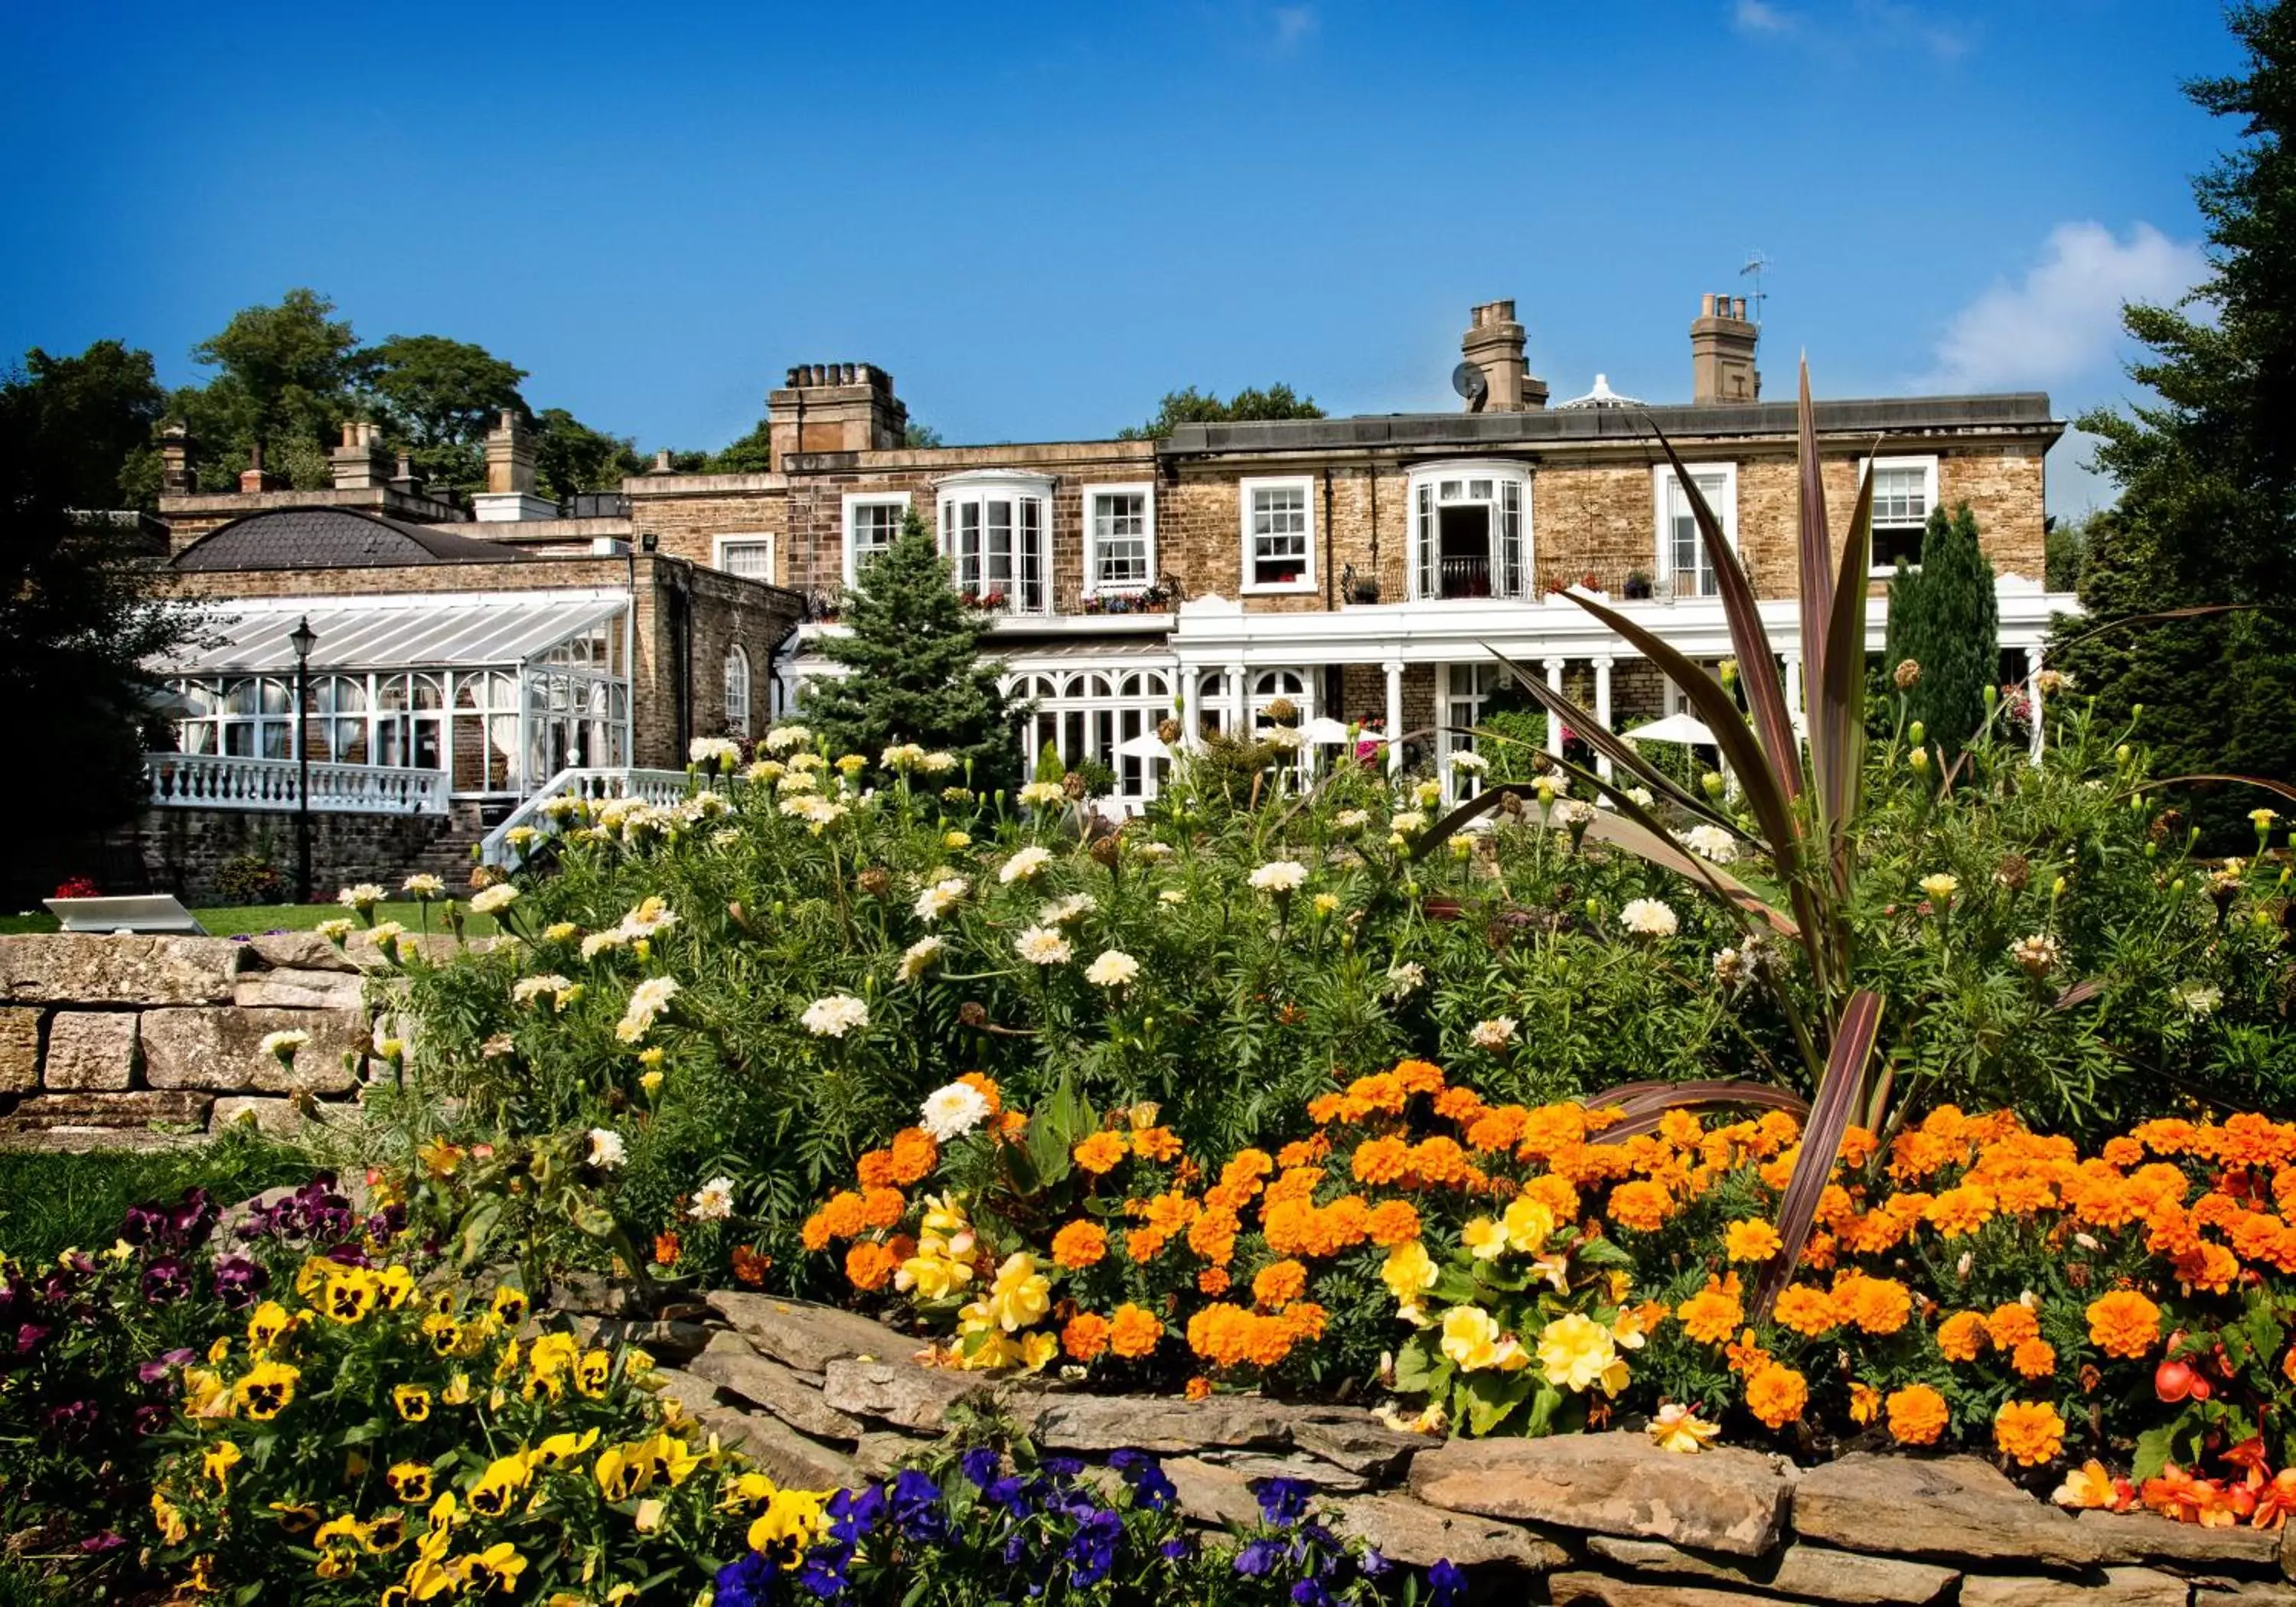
column 219, row 781
column 654, row 786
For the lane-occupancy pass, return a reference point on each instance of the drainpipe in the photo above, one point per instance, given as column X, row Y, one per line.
column 1330, row 580
column 630, row 656
column 682, row 644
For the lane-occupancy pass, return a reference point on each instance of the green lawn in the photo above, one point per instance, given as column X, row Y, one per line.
column 49, row 1203
column 242, row 920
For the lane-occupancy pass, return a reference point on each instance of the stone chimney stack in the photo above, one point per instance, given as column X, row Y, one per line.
column 509, row 495
column 1722, row 340
column 834, row 407
column 176, row 478
column 355, row 462
column 1494, row 343
column 255, row 476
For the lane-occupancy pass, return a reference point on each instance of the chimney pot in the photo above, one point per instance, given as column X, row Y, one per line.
column 1494, row 343
column 509, row 455
column 661, row 462
column 1722, row 351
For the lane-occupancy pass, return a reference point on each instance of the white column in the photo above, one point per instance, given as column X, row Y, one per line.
column 1239, row 702
column 1442, row 739
column 1394, row 670
column 1553, row 723
column 2033, row 695
column 1793, row 683
column 1602, row 710
column 1192, row 706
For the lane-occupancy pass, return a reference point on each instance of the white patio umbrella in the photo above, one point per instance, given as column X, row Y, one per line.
column 1324, row 731
column 1673, row 728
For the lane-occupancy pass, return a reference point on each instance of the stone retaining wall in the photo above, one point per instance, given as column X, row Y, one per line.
column 183, row 850
column 112, row 1042
column 822, row 1397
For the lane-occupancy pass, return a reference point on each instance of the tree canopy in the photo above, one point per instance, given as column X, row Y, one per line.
column 438, row 397
column 1194, row 406
column 915, row 670
column 2208, row 470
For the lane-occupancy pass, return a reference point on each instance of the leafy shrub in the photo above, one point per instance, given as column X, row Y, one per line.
column 250, row 879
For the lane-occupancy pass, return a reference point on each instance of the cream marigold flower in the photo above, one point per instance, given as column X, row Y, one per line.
column 1350, row 820
column 2038, row 953
column 486, row 901
column 713, row 1202
column 1042, row 946
column 284, row 1045
column 527, row 989
column 1712, row 842
column 786, row 739
column 1044, row 795
column 952, row 1111
column 607, row 1150
column 1113, row 969
column 1649, row 918
column 1939, row 886
column 2198, row 999
column 835, row 1016
column 1494, row 1034
column 941, row 897
column 919, row 957
column 361, row 897
column 713, row 753
column 1279, row 876
column 423, row 886
column 648, row 1000
column 1060, row 911
column 1025, row 865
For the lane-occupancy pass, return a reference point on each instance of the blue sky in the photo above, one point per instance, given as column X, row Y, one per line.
column 1042, row 218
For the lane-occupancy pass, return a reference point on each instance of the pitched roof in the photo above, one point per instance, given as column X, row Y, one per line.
column 333, row 538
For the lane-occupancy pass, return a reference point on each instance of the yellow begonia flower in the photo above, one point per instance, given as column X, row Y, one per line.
column 1020, row 1295
column 1408, row 1273
column 1527, row 1224
column 1577, row 1352
column 1470, row 1338
column 1486, row 1239
column 1680, row 1429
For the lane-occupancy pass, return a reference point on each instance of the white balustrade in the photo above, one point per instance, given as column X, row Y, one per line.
column 589, row 785
column 219, row 781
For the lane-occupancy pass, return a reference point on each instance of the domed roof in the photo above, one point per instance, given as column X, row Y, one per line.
column 1602, row 395
column 332, row 538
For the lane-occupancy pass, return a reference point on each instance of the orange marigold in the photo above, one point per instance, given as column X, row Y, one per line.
column 815, row 1234
column 1751, row 1239
column 1713, row 1314
column 1155, row 1143
column 1418, row 1076
column 1246, row 1169
column 1555, row 1193
column 1133, row 1331
column 1079, row 1244
column 2011, row 1324
column 1379, row 1160
column 2124, row 1324
column 2123, row 1151
column 1101, row 1153
column 1303, row 1320
column 1221, row 1334
column 1145, row 1243
column 1212, row 1234
column 666, row 1248
column 1962, row 1336
column 1497, row 1130
column 913, row 1157
column 882, row 1208
column 1877, row 1306
column 986, row 1086
column 2030, row 1432
column 1917, row 1414
column 2034, row 1358
column 1808, row 1311
column 875, row 1170
column 1085, row 1336
column 1549, row 1128
column 1777, row 1395
column 1279, row 1284
column 1198, row 1387
column 1961, row 1211
column 1392, row 1222
column 1641, row 1205
column 868, row 1265
column 1212, row 1280
column 1438, row 1160
column 845, row 1217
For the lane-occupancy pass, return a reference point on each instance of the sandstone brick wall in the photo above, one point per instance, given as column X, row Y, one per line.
column 113, row 1043
column 184, row 850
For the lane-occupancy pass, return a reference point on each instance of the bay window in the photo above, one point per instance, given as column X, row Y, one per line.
column 1470, row 531
column 996, row 531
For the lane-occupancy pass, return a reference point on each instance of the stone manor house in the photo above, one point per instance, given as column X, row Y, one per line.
column 472, row 661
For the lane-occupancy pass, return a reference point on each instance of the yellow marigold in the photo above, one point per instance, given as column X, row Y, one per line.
column 1917, row 1414
column 1641, row 1205
column 1392, row 1222
column 2030, row 1432
column 1962, row 1336
column 1878, row 1306
column 1777, row 1395
column 2124, row 1322
column 2011, row 1324
column 1808, row 1311
column 1101, row 1153
column 1132, row 1332
column 1085, row 1336
column 1712, row 1315
column 1079, row 1244
column 1279, row 1284
column 1747, row 1239
column 2034, row 1358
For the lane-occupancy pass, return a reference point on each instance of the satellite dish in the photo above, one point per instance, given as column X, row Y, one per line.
column 1470, row 381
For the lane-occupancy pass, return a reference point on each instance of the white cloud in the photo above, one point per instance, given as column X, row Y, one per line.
column 2061, row 321
column 1294, row 24
column 1756, row 17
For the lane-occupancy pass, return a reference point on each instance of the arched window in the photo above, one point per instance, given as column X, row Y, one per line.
column 996, row 529
column 737, row 690
column 1470, row 531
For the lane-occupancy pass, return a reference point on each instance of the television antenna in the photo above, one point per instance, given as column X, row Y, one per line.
column 1756, row 261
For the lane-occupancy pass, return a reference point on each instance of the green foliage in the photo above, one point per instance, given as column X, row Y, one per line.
column 2208, row 470
column 286, row 378
column 436, row 398
column 94, row 417
column 1945, row 616
column 1194, row 406
column 569, row 456
column 50, row 1201
column 915, row 670
column 2067, row 548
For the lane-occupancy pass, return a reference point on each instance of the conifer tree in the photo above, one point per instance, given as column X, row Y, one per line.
column 1945, row 616
column 915, row 670
column 2207, row 467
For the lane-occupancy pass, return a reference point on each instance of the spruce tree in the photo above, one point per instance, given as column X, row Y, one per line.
column 1946, row 618
column 915, row 671
column 2207, row 468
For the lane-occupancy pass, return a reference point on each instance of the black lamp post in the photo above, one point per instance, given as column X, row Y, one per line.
column 302, row 639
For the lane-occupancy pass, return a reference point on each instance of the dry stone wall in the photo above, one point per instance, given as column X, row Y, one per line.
column 821, row 1396
column 134, row 1042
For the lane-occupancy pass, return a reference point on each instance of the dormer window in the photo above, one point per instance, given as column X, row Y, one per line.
column 997, row 530
column 1470, row 531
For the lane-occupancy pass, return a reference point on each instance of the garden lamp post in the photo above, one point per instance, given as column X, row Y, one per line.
column 302, row 639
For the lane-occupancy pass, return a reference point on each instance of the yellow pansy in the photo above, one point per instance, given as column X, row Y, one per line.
column 217, row 1461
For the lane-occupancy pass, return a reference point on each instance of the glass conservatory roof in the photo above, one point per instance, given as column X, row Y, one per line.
column 385, row 633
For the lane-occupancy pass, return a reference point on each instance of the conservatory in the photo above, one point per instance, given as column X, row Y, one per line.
column 412, row 699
